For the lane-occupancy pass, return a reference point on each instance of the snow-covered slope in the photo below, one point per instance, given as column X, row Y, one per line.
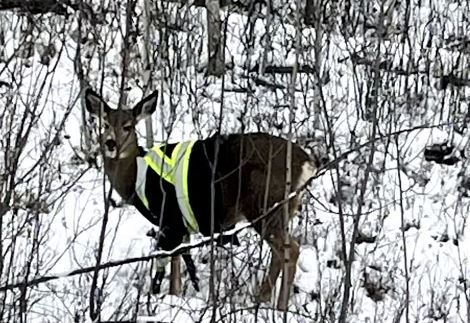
column 394, row 69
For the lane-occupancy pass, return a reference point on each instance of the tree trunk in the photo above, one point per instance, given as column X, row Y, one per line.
column 175, row 281
column 215, row 42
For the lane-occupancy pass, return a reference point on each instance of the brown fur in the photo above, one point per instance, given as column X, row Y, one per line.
column 251, row 192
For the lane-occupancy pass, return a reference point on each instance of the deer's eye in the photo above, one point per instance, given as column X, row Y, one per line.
column 127, row 128
column 106, row 126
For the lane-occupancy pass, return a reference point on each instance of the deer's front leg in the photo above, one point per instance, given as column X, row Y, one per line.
column 159, row 269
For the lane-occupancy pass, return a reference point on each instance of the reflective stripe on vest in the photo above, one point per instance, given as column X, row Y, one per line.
column 175, row 171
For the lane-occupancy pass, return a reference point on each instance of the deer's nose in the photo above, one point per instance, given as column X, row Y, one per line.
column 110, row 144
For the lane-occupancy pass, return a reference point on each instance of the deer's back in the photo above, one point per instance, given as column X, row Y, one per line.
column 249, row 167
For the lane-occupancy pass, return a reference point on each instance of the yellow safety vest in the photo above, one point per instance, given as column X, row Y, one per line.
column 175, row 171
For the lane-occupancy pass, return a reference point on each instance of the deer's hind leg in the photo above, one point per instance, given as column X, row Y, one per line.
column 275, row 266
column 294, row 251
column 274, row 234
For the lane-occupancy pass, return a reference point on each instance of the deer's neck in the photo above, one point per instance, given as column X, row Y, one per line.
column 122, row 174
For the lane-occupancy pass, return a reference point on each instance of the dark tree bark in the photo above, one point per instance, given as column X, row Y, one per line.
column 214, row 39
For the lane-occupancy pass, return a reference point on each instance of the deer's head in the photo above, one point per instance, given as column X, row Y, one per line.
column 119, row 138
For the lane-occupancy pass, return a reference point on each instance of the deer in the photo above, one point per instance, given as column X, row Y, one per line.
column 230, row 178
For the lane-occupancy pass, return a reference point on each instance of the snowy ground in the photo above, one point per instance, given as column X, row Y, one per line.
column 429, row 201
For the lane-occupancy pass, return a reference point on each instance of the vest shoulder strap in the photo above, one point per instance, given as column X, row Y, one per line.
column 181, row 156
column 160, row 163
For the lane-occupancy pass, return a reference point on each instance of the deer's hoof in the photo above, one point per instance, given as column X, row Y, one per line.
column 265, row 293
column 282, row 307
column 282, row 303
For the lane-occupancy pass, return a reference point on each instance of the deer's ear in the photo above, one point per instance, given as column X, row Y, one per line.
column 95, row 104
column 146, row 107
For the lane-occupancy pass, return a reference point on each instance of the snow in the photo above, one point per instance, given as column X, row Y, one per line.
column 435, row 210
